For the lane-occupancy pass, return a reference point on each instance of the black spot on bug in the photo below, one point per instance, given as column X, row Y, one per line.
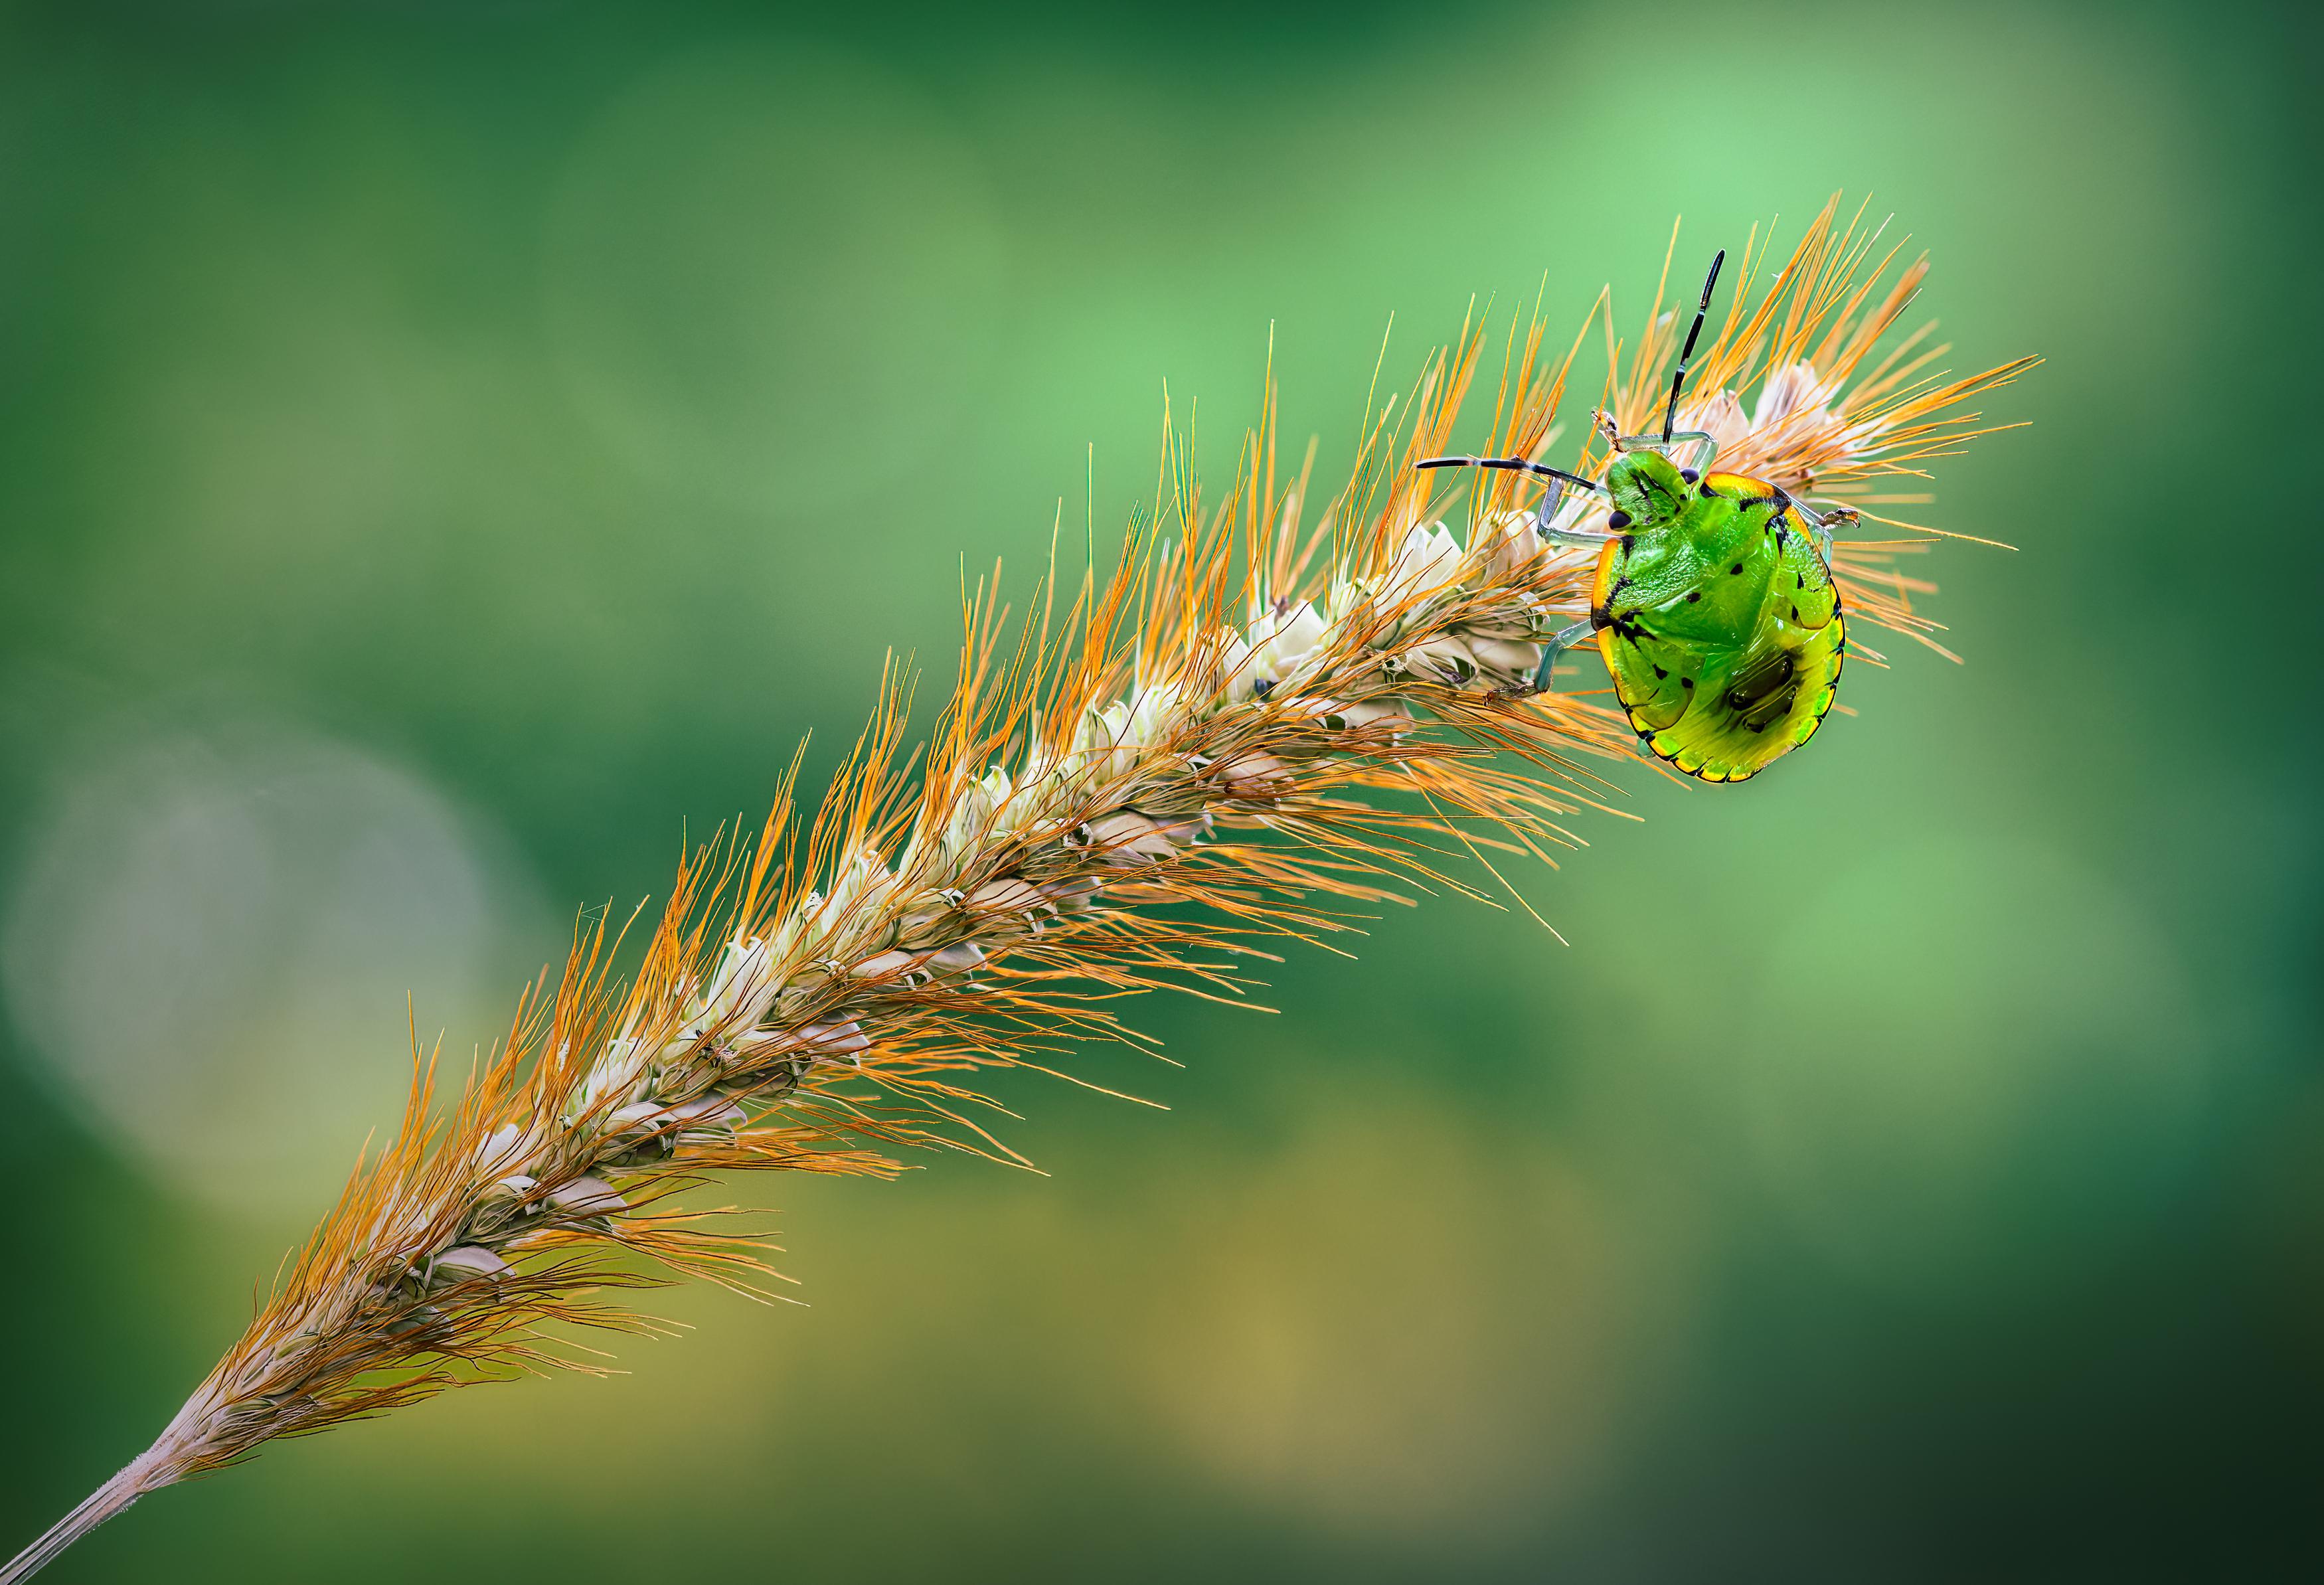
column 1660, row 674
column 1686, row 682
column 1735, row 571
column 1629, row 543
column 1694, row 595
column 1800, row 578
column 1690, row 476
column 1795, row 613
column 1780, row 538
column 1618, row 519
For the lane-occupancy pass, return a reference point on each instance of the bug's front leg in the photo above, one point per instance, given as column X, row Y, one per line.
column 1621, row 442
column 1587, row 538
column 1544, row 527
column 1549, row 533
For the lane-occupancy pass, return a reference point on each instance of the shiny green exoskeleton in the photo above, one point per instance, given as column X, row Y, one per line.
column 1713, row 605
column 1717, row 616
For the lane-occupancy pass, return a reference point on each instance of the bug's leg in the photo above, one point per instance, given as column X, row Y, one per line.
column 1557, row 644
column 1621, row 442
column 1710, row 448
column 1549, row 533
column 1825, row 523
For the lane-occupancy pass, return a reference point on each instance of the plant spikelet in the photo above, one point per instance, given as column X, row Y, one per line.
column 1251, row 732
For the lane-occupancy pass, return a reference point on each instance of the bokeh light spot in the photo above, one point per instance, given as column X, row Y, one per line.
column 211, row 946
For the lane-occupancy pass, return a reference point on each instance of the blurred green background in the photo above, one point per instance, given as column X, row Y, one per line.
column 444, row 449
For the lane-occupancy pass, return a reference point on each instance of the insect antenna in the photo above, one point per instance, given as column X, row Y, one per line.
column 1513, row 465
column 1678, row 379
column 1544, row 516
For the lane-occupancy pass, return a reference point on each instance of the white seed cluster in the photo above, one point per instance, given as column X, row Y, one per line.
column 1011, row 852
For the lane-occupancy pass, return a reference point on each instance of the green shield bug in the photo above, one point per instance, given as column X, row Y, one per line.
column 1713, row 606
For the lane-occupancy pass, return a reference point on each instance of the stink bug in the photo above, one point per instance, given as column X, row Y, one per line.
column 1713, row 606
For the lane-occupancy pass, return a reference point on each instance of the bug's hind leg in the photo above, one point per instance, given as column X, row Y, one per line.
column 1557, row 644
column 1825, row 523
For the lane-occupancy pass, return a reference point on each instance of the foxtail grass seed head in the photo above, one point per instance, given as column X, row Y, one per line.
column 1252, row 728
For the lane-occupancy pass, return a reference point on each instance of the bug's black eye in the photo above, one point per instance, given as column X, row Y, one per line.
column 1618, row 519
column 1690, row 476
